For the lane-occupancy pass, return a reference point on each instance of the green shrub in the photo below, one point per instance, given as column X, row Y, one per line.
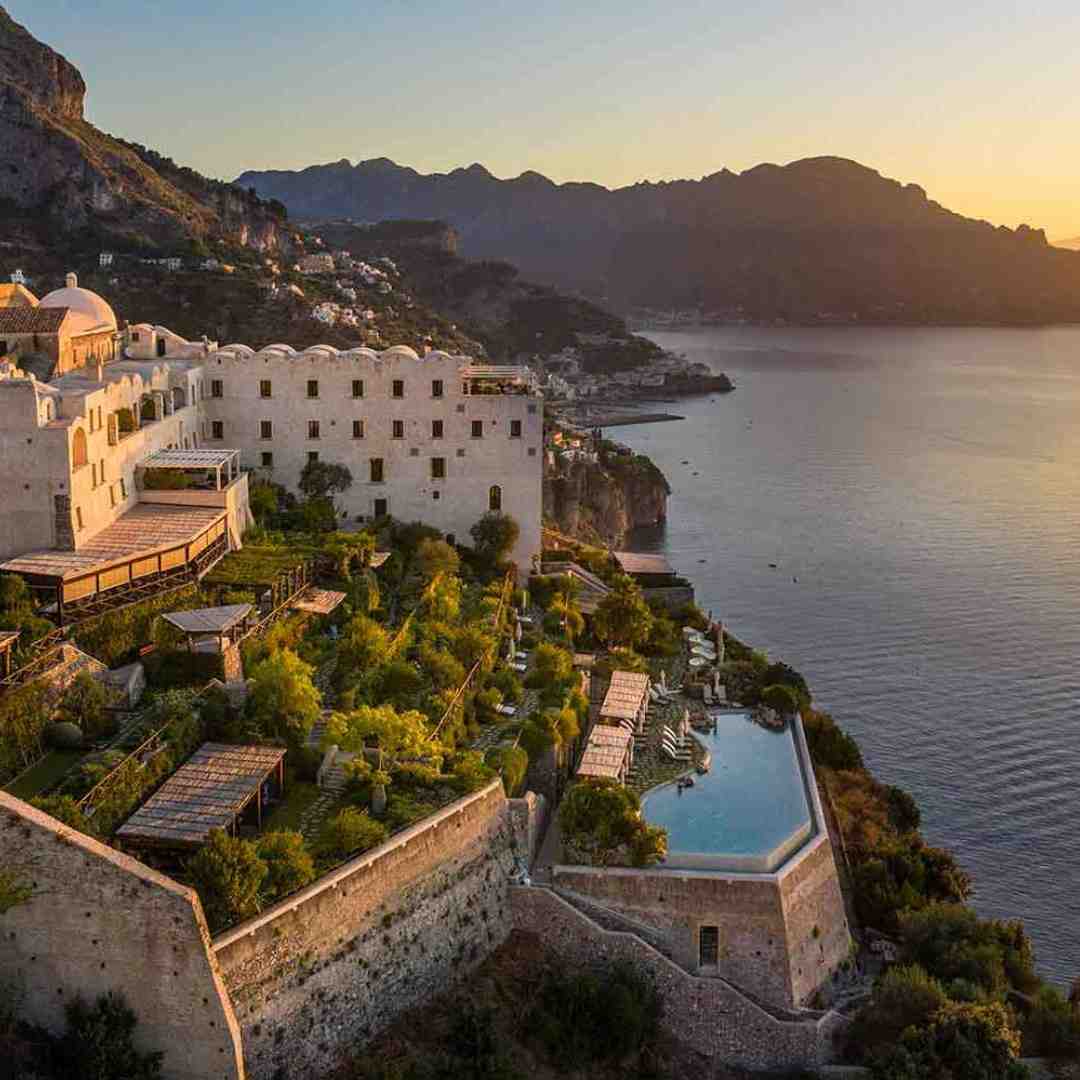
column 780, row 698
column 609, row 1014
column 65, row 809
column 512, row 763
column 228, row 874
column 902, row 997
column 349, row 832
column 98, row 1043
column 288, row 861
column 602, row 820
column 829, row 745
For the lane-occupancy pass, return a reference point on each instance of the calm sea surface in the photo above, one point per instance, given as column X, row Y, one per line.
column 917, row 490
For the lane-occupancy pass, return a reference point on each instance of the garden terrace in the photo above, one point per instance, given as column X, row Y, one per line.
column 281, row 568
column 210, row 791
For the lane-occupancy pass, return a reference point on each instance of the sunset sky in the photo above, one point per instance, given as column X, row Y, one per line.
column 980, row 107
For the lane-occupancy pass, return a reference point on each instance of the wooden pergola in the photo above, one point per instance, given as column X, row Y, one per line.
column 208, row 629
column 211, row 790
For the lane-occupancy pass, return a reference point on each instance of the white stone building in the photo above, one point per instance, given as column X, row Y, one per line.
column 436, row 439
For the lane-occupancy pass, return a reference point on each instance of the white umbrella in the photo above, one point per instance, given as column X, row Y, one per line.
column 663, row 679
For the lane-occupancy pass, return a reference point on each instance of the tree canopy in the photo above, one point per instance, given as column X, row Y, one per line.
column 284, row 702
column 623, row 617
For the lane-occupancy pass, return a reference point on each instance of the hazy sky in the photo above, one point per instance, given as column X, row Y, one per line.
column 981, row 107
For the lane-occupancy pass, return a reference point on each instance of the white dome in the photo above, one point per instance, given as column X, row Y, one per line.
column 88, row 310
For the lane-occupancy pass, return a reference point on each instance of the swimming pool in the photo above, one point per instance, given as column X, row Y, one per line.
column 749, row 813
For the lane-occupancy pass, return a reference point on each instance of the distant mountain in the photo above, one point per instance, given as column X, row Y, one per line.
column 1069, row 245
column 63, row 174
column 824, row 239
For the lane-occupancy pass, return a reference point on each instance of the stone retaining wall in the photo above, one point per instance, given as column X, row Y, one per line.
column 706, row 1014
column 334, row 964
column 98, row 921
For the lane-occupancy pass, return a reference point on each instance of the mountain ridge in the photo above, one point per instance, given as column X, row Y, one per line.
column 819, row 239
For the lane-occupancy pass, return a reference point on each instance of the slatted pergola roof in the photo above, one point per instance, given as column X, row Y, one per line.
column 209, row 791
column 607, row 753
column 626, row 696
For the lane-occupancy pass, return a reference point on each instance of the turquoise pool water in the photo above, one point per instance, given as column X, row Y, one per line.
column 750, row 812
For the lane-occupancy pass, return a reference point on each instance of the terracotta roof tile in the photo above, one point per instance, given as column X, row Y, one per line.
column 31, row 320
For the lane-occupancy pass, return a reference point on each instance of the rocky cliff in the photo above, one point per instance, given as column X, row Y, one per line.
column 61, row 169
column 603, row 501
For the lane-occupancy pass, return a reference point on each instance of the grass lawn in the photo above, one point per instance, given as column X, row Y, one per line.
column 299, row 797
column 44, row 774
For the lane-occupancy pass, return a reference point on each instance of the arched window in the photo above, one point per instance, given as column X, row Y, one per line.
column 79, row 455
column 495, row 498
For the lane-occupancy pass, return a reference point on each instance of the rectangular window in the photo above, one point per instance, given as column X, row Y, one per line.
column 78, row 518
column 376, row 471
column 358, row 429
column 93, row 474
column 515, row 429
column 399, row 429
column 436, row 429
column 217, row 429
column 101, row 470
column 123, row 488
column 382, row 508
column 438, row 468
column 313, row 455
column 358, row 388
column 217, row 388
column 112, row 496
column 398, row 390
column 313, row 429
column 532, row 410
column 99, row 418
column 436, row 388
column 267, row 459
column 709, row 946
column 313, row 388
column 478, row 429
column 266, row 429
column 266, row 388
column 435, row 494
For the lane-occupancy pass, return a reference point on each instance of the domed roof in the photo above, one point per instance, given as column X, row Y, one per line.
column 88, row 311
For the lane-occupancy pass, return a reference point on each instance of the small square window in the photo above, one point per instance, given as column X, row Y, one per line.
column 266, row 388
column 266, row 459
column 217, row 388
column 217, row 429
column 515, row 429
column 438, row 468
column 435, row 494
column 461, row 408
column 358, row 429
column 398, row 389
column 399, row 429
column 313, row 455
column 532, row 410
column 436, row 388
column 266, row 429
column 358, row 388
column 478, row 429
column 313, row 388
column 436, row 429
column 532, row 451
column 461, row 453
column 313, row 429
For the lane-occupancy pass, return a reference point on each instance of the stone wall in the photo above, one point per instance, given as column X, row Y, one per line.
column 98, row 921
column 334, row 964
column 780, row 935
column 708, row 1015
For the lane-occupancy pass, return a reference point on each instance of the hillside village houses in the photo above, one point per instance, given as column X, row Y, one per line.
column 87, row 408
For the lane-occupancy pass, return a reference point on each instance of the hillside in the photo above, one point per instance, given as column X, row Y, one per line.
column 820, row 240
column 65, row 181
column 1069, row 245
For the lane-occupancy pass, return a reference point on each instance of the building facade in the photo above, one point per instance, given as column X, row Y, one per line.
column 436, row 439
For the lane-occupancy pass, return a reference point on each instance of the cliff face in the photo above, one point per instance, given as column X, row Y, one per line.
column 604, row 501
column 59, row 166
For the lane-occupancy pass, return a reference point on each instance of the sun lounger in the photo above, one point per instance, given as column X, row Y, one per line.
column 520, row 668
column 506, row 710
